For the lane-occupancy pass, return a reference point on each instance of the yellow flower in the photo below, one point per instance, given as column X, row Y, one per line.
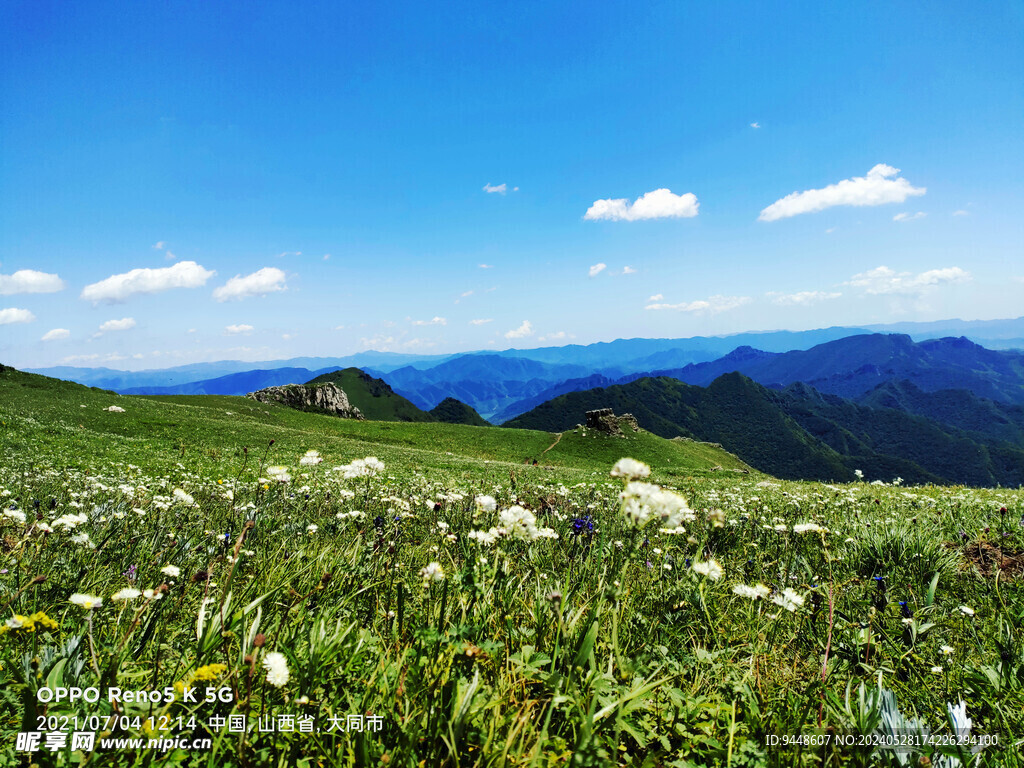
column 210, row 672
column 43, row 620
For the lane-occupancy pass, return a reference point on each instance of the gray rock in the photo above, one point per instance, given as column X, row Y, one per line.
column 323, row 398
column 605, row 420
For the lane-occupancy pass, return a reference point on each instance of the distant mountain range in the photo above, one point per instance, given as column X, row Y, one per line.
column 856, row 364
column 616, row 357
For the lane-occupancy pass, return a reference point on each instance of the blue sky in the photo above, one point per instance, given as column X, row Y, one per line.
column 383, row 175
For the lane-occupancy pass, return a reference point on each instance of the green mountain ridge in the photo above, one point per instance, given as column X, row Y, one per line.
column 373, row 397
column 452, row 411
column 798, row 432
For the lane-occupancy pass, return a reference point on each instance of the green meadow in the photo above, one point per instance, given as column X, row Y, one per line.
column 482, row 597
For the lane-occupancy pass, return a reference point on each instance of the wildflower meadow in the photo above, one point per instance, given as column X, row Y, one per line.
column 212, row 581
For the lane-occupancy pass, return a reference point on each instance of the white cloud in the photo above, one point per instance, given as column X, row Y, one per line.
column 234, row 330
column 557, row 336
column 433, row 321
column 464, row 294
column 30, row 281
column 658, row 204
column 259, row 283
column 524, row 330
column 184, row 274
column 56, row 334
column 327, row 257
column 711, row 305
column 124, row 324
column 482, row 321
column 656, row 297
column 501, row 189
column 13, row 315
column 877, row 188
column 159, row 245
column 882, row 280
column 755, row 125
column 79, row 359
column 961, row 212
column 486, row 266
column 289, row 253
column 803, row 298
column 596, row 269
column 909, row 216
column 830, row 230
column 628, row 270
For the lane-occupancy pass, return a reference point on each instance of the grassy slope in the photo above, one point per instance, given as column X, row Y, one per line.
column 204, row 430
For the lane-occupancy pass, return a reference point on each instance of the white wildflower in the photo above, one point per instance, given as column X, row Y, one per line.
column 431, row 573
column 310, row 458
column 128, row 593
column 86, row 601
column 789, row 599
column 630, row 469
column 277, row 668
column 183, row 498
column 758, row 592
column 711, row 569
column 486, row 503
column 279, row 474
column 809, row 528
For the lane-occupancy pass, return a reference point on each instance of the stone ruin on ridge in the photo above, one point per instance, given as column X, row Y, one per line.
column 605, row 420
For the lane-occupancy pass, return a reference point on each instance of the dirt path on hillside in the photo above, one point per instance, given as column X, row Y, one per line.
column 559, row 437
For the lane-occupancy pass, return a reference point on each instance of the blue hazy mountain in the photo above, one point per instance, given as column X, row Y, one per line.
column 851, row 366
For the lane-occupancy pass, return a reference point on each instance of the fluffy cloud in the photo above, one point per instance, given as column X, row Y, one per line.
column 711, row 305
column 432, row 321
column 184, row 274
column 234, row 330
column 500, row 189
column 486, row 266
column 30, row 281
column 13, row 315
column 659, row 204
column 961, row 212
column 879, row 187
column 56, row 334
column 259, row 283
column 656, row 297
column 524, row 330
column 909, row 216
column 124, row 324
column 803, row 298
column 755, row 125
column 482, row 321
column 557, row 336
column 628, row 270
column 882, row 280
column 597, row 269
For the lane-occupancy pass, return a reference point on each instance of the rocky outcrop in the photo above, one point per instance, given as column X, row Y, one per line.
column 605, row 420
column 322, row 398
